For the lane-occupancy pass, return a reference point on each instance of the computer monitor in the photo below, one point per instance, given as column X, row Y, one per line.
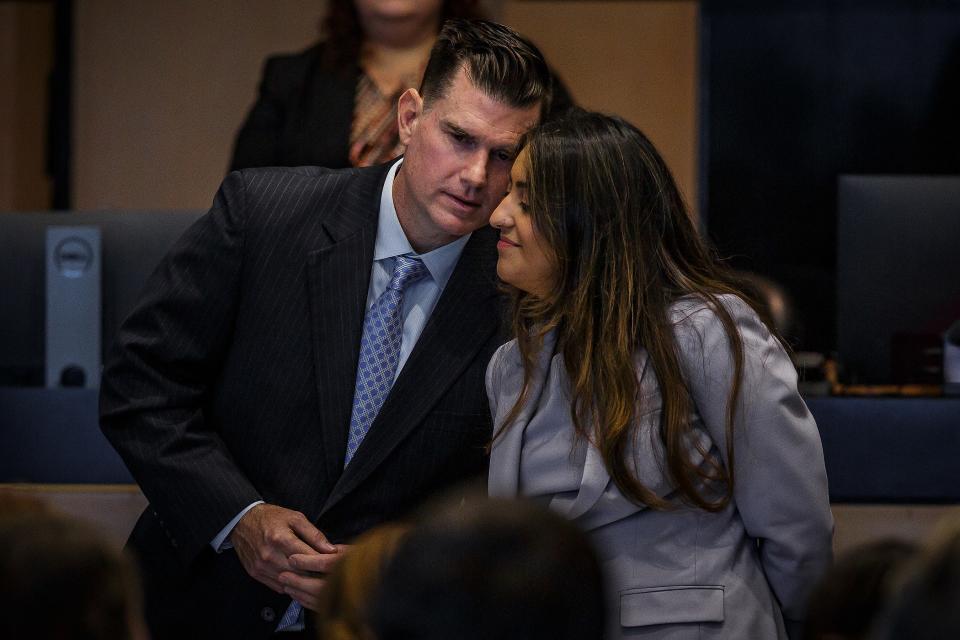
column 898, row 275
column 132, row 245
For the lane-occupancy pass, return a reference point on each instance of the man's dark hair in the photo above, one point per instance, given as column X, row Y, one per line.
column 498, row 60
column 491, row 569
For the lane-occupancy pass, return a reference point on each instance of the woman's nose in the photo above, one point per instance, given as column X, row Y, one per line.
column 500, row 218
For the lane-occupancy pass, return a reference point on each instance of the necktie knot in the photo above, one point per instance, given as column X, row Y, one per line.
column 407, row 270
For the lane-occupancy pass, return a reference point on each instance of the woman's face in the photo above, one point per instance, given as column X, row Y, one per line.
column 524, row 259
column 398, row 9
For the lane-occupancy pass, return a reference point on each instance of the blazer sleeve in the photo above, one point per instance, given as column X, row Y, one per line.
column 780, row 480
column 160, row 375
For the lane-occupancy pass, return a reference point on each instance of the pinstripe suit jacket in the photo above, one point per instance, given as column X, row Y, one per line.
column 232, row 381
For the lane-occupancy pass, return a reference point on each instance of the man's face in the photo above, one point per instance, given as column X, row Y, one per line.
column 457, row 164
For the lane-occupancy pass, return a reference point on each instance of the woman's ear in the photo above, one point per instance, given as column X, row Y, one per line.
column 409, row 110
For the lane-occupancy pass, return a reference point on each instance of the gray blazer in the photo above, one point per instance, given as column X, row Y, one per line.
column 742, row 573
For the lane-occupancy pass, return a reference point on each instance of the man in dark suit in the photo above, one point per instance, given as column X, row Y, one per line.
column 308, row 360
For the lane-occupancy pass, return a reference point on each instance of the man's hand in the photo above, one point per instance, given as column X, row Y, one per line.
column 268, row 535
column 306, row 580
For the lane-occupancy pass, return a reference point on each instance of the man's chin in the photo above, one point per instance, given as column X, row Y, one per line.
column 456, row 225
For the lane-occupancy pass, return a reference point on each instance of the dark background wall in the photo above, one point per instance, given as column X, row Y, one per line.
column 796, row 93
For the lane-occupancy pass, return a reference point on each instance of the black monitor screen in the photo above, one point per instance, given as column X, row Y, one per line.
column 898, row 275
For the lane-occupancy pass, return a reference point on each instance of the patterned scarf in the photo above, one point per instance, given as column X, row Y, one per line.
column 374, row 137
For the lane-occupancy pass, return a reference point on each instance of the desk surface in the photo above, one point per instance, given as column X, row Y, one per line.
column 878, row 450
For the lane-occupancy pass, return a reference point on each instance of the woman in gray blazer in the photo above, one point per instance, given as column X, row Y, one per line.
column 646, row 399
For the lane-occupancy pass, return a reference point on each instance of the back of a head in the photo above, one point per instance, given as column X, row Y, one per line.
column 350, row 586
column 853, row 592
column 498, row 60
column 492, row 569
column 926, row 604
column 60, row 579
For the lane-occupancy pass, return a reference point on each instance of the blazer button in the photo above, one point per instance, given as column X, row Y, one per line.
column 267, row 614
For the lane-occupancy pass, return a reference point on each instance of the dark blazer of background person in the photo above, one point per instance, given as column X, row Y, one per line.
column 233, row 379
column 304, row 113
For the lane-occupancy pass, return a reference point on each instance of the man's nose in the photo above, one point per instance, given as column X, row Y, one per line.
column 475, row 171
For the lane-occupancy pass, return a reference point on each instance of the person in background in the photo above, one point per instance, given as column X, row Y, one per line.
column 307, row 361
column 61, row 580
column 646, row 400
column 925, row 604
column 350, row 588
column 855, row 590
column 335, row 104
column 483, row 569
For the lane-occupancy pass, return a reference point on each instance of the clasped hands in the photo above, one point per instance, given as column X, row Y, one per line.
column 282, row 549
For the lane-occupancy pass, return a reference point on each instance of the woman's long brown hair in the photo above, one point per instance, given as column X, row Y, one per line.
column 625, row 249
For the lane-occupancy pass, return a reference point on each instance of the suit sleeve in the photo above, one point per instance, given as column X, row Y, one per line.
column 258, row 141
column 161, row 371
column 779, row 473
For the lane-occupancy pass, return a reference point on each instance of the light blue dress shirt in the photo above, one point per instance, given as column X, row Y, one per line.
column 420, row 297
column 418, row 301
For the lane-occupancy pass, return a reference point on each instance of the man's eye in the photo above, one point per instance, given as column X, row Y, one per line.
column 505, row 156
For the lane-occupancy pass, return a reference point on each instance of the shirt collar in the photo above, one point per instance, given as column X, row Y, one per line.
column 392, row 241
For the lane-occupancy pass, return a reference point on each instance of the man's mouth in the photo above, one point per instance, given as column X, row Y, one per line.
column 466, row 203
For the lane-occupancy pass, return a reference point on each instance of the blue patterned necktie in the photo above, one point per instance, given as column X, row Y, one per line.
column 380, row 351
column 379, row 355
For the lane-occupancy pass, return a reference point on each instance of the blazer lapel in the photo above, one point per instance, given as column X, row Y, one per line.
column 504, row 478
column 592, row 485
column 338, row 278
column 465, row 317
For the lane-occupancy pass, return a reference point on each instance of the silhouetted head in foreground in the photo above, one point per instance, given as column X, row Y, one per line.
column 855, row 590
column 59, row 579
column 491, row 569
column 926, row 602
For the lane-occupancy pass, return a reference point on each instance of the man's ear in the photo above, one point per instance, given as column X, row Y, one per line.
column 409, row 110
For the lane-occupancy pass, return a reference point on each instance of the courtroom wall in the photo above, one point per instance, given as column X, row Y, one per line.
column 26, row 60
column 161, row 88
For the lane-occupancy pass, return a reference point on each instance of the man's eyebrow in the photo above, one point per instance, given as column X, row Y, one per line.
column 452, row 128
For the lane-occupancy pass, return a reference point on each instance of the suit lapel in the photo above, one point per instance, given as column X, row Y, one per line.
column 465, row 317
column 338, row 277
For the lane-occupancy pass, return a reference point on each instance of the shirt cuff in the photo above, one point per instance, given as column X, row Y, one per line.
column 220, row 543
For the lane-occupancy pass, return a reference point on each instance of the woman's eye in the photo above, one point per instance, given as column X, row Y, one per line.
column 524, row 206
